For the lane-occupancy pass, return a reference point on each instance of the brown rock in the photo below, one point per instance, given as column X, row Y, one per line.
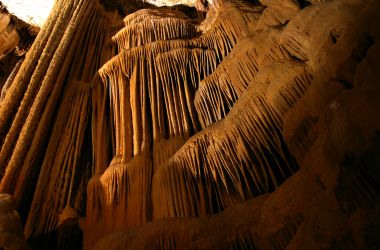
column 254, row 128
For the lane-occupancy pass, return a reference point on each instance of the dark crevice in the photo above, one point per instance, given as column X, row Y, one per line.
column 303, row 3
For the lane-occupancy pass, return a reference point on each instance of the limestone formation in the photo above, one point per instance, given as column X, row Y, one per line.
column 230, row 125
column 11, row 233
column 16, row 37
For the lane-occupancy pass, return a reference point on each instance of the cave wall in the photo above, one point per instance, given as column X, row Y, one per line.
column 16, row 37
column 315, row 69
column 253, row 127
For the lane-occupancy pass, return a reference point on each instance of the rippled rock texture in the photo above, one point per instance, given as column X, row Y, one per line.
column 232, row 124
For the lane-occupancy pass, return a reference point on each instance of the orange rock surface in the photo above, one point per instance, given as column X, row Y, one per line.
column 231, row 125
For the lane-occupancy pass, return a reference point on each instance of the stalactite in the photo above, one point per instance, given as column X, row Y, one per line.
column 179, row 72
column 151, row 30
column 67, row 58
column 234, row 160
column 11, row 100
column 128, row 107
column 75, row 72
column 152, row 14
column 124, row 193
column 147, row 92
column 163, row 149
column 151, row 88
column 37, row 90
column 190, row 119
column 218, row 92
column 285, row 95
column 229, row 26
column 100, row 127
column 61, row 161
column 295, row 46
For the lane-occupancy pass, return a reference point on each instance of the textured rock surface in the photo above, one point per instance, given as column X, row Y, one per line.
column 11, row 233
column 256, row 127
column 315, row 77
column 16, row 37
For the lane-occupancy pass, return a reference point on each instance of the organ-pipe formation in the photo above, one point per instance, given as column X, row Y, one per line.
column 225, row 124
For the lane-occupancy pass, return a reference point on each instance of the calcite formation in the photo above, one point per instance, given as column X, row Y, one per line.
column 228, row 125
column 16, row 36
column 11, row 232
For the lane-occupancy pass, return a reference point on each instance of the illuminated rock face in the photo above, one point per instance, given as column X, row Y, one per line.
column 16, row 37
column 34, row 12
column 256, row 127
column 9, row 39
column 8, row 36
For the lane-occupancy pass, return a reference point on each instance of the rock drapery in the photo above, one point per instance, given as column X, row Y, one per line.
column 244, row 129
